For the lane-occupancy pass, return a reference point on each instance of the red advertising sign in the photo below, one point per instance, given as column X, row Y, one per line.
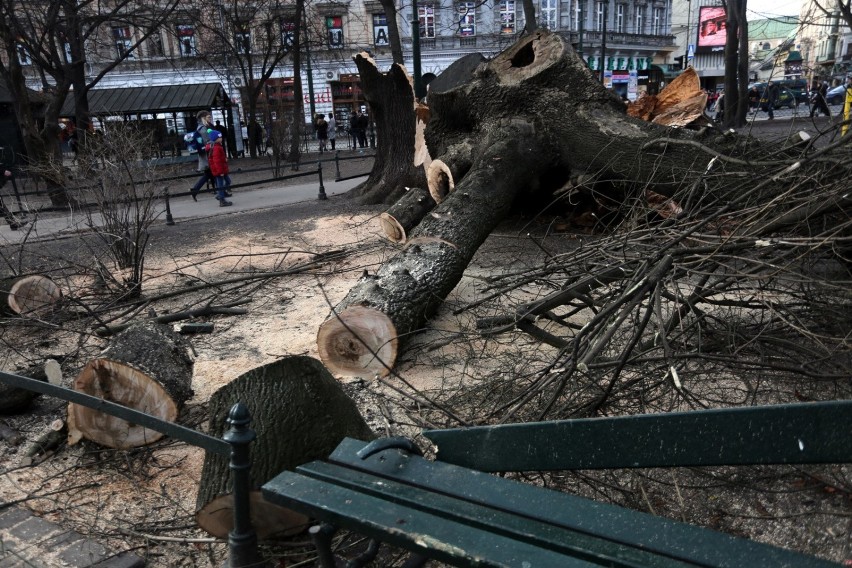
column 712, row 28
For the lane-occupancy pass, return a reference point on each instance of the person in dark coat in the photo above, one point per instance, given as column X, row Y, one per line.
column 322, row 131
column 14, row 224
column 770, row 95
column 819, row 90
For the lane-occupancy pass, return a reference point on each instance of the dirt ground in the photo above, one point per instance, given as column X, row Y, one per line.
column 144, row 500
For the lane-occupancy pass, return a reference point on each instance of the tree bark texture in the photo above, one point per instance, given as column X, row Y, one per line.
column 533, row 116
column 406, row 213
column 14, row 400
column 391, row 99
column 28, row 295
column 300, row 413
column 146, row 367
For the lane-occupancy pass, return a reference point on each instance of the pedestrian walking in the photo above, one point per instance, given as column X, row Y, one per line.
column 363, row 123
column 224, row 132
column 14, row 223
column 769, row 98
column 819, row 90
column 321, row 127
column 218, row 160
column 332, row 130
column 200, row 140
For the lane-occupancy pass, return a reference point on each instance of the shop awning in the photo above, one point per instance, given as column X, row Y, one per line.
column 150, row 100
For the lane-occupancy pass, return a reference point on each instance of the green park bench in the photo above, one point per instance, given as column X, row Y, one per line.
column 453, row 511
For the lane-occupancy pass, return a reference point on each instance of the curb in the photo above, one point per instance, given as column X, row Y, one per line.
column 28, row 541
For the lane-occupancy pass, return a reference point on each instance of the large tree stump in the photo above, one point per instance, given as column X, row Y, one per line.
column 28, row 295
column 391, row 99
column 146, row 367
column 300, row 413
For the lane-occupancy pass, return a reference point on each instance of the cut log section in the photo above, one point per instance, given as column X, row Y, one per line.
column 147, row 368
column 300, row 413
column 442, row 174
column 28, row 295
column 405, row 214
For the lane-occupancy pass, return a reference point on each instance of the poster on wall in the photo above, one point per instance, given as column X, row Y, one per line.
column 712, row 29
column 334, row 25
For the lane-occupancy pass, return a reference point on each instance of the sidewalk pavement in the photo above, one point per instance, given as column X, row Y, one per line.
column 27, row 541
column 57, row 225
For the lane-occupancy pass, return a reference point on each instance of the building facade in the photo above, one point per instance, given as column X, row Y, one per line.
column 825, row 41
column 619, row 39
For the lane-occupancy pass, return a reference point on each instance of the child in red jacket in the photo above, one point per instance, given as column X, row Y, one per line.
column 219, row 167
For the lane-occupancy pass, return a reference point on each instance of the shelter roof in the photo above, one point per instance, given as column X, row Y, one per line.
column 145, row 100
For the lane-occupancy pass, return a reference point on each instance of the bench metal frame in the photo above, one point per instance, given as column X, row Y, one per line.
column 456, row 513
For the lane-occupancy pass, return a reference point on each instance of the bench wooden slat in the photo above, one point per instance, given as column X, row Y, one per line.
column 433, row 536
column 782, row 434
column 489, row 518
column 641, row 531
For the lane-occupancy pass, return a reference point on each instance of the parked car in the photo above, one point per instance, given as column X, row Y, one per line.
column 799, row 88
column 836, row 95
column 785, row 99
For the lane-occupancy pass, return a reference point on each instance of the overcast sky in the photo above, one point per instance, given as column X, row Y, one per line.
column 759, row 9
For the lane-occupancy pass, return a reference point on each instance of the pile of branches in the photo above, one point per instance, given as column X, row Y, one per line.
column 701, row 299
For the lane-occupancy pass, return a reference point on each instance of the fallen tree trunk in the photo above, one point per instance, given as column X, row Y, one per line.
column 147, row 368
column 28, row 295
column 528, row 120
column 406, row 213
column 363, row 335
column 299, row 413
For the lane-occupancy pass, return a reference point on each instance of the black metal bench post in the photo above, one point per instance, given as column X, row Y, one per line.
column 242, row 540
column 322, row 196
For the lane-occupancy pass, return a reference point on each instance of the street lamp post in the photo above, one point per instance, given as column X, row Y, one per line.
column 603, row 38
column 419, row 91
column 580, row 29
column 688, row 38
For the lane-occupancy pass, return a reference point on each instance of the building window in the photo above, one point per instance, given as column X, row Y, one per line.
column 640, row 19
column 426, row 15
column 288, row 32
column 23, row 54
column 467, row 18
column 186, row 40
column 123, row 44
column 599, row 12
column 659, row 21
column 507, row 16
column 620, row 10
column 334, row 26
column 380, row 30
column 155, row 45
column 548, row 14
column 242, row 39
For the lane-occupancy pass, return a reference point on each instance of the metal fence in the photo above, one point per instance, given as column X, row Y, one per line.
column 242, row 539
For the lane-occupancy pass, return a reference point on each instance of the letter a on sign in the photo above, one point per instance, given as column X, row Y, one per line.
column 381, row 36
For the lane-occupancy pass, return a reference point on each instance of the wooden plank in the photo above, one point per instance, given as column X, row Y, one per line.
column 783, row 434
column 407, row 528
column 688, row 543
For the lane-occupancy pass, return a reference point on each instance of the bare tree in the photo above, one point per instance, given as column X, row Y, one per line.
column 58, row 41
column 253, row 39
